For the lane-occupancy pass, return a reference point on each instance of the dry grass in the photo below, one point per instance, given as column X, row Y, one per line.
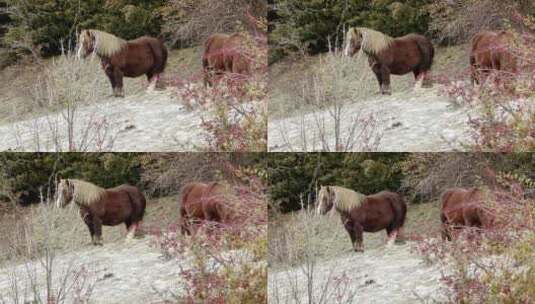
column 287, row 239
column 19, row 100
column 69, row 231
column 288, row 76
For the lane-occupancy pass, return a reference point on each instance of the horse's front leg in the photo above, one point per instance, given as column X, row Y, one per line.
column 118, row 76
column 358, row 230
column 376, row 68
column 385, row 75
column 348, row 225
column 184, row 227
column 97, row 226
column 109, row 72
column 88, row 220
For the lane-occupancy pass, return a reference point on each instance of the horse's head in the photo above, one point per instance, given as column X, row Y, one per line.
column 86, row 44
column 353, row 42
column 325, row 200
column 64, row 193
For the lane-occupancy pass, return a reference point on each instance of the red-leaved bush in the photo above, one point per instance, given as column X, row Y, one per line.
column 224, row 262
column 236, row 104
column 492, row 265
column 505, row 119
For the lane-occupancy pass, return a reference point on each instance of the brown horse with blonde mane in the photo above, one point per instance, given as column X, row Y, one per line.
column 225, row 54
column 464, row 208
column 99, row 206
column 364, row 213
column 120, row 58
column 491, row 51
column 203, row 202
column 386, row 55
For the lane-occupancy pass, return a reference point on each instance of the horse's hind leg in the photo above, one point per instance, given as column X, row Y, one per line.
column 153, row 81
column 131, row 230
column 355, row 231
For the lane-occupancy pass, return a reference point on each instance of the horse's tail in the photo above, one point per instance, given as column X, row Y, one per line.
column 160, row 53
column 428, row 53
column 400, row 210
column 138, row 203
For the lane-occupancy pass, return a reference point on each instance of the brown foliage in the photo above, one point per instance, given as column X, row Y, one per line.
column 189, row 21
column 456, row 21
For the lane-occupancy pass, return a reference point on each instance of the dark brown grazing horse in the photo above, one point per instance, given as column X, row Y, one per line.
column 224, row 54
column 463, row 208
column 203, row 202
column 491, row 51
column 98, row 206
column 120, row 58
column 386, row 55
column 369, row 213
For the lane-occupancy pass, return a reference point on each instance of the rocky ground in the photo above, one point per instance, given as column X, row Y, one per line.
column 414, row 120
column 379, row 275
column 123, row 272
column 146, row 121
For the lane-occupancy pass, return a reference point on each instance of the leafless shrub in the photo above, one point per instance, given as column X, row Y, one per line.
column 298, row 245
column 166, row 173
column 332, row 126
column 187, row 20
column 64, row 88
column 457, row 21
column 38, row 275
column 491, row 265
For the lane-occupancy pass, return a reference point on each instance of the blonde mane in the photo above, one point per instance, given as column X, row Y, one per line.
column 373, row 41
column 85, row 193
column 346, row 199
column 107, row 44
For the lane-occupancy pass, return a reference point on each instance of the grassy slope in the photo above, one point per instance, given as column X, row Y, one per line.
column 422, row 221
column 17, row 91
column 289, row 74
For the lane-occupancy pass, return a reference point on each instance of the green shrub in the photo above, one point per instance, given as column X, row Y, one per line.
column 310, row 24
column 43, row 27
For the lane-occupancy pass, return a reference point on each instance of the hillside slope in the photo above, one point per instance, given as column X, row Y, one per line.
column 411, row 121
column 380, row 275
column 42, row 101
column 122, row 272
column 305, row 91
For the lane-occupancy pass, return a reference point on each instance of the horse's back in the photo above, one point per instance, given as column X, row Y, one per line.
column 144, row 55
column 409, row 52
column 136, row 200
column 455, row 202
column 491, row 50
column 225, row 53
